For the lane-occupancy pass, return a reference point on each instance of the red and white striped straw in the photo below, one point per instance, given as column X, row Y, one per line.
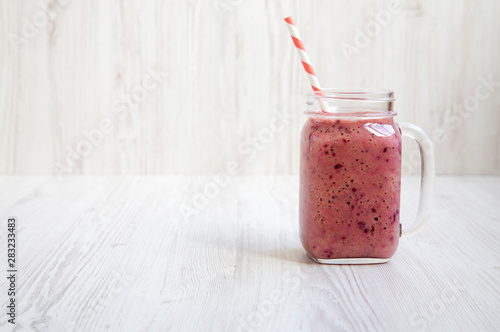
column 306, row 63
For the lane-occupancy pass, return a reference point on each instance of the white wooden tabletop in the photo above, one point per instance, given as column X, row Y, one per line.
column 116, row 254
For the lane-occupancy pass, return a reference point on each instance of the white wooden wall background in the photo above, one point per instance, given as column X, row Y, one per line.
column 227, row 67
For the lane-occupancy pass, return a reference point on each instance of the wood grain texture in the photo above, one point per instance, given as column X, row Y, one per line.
column 226, row 69
column 115, row 254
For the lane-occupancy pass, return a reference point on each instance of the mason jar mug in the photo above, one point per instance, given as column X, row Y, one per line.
column 350, row 177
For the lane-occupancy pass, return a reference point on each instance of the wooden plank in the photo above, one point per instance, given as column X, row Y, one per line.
column 115, row 253
column 225, row 73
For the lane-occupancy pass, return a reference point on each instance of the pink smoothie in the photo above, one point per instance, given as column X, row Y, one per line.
column 350, row 177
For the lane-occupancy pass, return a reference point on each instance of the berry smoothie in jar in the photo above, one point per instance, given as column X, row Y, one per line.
column 350, row 178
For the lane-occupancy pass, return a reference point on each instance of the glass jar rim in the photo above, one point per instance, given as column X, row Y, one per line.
column 359, row 103
column 368, row 94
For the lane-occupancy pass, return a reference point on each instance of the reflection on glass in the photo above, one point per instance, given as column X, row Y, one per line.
column 380, row 129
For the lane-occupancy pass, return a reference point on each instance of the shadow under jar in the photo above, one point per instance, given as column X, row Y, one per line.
column 350, row 177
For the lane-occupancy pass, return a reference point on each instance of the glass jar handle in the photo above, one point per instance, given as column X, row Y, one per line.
column 427, row 177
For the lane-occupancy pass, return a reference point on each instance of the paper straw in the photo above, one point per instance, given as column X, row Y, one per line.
column 306, row 63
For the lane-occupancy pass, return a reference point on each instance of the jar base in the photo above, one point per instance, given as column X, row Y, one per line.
column 349, row 261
